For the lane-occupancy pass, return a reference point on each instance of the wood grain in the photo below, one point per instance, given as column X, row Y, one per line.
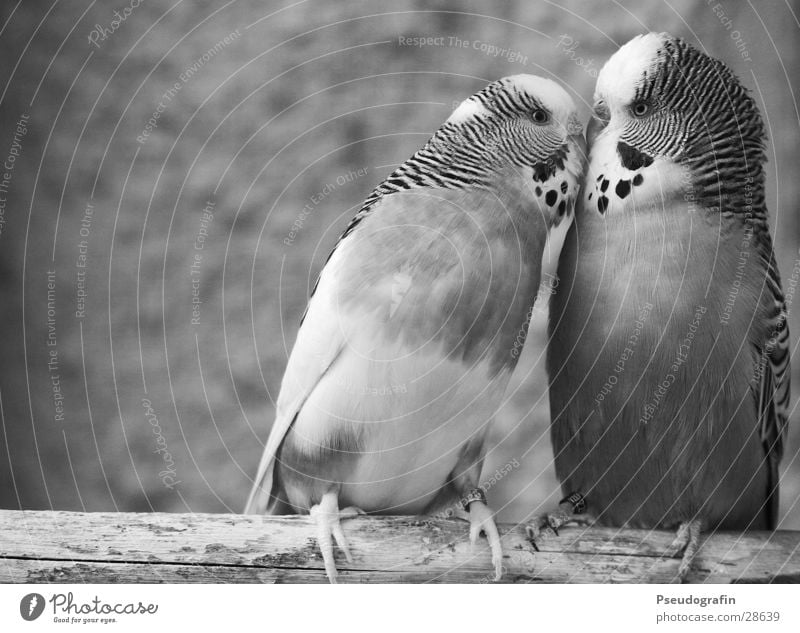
column 223, row 548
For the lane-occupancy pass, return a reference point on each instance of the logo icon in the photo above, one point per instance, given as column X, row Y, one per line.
column 31, row 606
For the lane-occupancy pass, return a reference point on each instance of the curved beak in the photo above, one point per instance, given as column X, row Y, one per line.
column 575, row 135
column 600, row 118
column 579, row 142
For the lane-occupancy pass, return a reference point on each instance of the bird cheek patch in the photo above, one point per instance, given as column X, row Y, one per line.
column 632, row 158
column 546, row 169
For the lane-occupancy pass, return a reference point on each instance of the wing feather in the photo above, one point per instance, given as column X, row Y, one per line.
column 320, row 341
column 774, row 389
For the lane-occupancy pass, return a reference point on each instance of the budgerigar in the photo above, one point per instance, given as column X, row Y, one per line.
column 668, row 359
column 408, row 340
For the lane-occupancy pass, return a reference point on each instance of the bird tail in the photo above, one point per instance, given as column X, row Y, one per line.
column 267, row 495
column 772, row 503
column 258, row 501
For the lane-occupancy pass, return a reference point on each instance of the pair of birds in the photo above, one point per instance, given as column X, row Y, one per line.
column 668, row 353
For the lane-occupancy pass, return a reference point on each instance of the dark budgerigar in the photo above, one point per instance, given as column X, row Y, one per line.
column 669, row 361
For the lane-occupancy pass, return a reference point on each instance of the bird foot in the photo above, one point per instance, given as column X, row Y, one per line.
column 687, row 541
column 327, row 517
column 571, row 509
column 481, row 519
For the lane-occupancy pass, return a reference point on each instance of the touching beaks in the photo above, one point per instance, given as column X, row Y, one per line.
column 580, row 143
column 574, row 125
column 600, row 118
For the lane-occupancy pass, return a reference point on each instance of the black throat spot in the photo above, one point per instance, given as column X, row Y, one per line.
column 547, row 169
column 632, row 158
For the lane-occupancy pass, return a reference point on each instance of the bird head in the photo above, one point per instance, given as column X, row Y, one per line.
column 662, row 106
column 526, row 125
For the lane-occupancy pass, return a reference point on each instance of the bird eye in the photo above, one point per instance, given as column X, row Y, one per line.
column 640, row 108
column 540, row 117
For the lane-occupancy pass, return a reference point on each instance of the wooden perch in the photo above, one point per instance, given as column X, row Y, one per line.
column 220, row 548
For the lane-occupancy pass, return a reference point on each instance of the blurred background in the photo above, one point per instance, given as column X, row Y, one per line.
column 176, row 174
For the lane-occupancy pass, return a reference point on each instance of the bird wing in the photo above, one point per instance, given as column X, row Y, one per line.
column 320, row 341
column 773, row 389
column 323, row 335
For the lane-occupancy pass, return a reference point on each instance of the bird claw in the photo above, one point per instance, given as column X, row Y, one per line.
column 327, row 517
column 350, row 512
column 570, row 510
column 541, row 527
column 482, row 520
column 687, row 542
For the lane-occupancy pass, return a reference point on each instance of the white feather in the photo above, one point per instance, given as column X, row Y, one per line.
column 625, row 70
column 466, row 110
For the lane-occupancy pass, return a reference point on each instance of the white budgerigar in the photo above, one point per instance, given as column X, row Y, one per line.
column 413, row 329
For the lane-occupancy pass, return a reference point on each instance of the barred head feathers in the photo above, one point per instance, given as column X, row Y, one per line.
column 519, row 126
column 517, row 123
column 666, row 99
